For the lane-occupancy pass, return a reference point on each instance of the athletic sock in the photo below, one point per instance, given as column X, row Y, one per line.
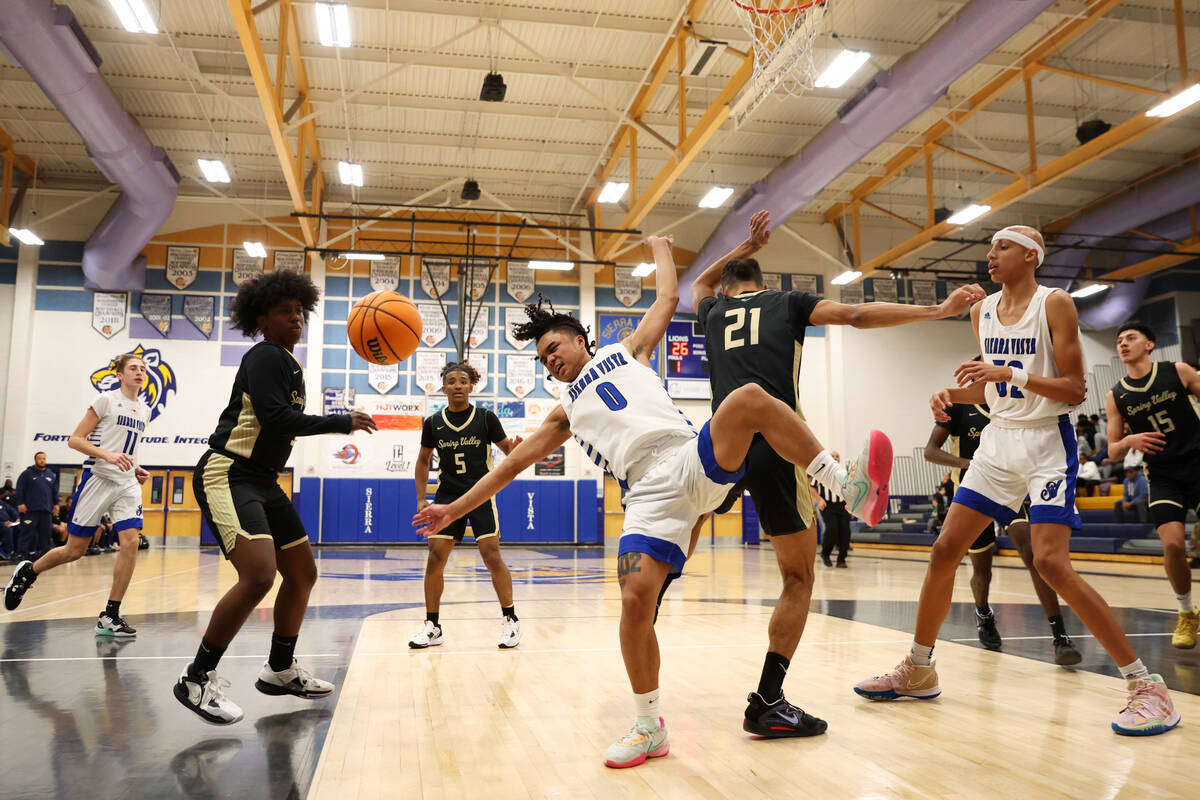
column 432, row 616
column 826, row 471
column 921, row 655
column 283, row 651
column 1057, row 626
column 113, row 609
column 647, row 708
column 509, row 612
column 1135, row 670
column 770, row 684
column 206, row 660
column 1185, row 602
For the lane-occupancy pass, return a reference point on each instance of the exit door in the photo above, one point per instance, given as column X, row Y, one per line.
column 154, row 503
column 183, row 513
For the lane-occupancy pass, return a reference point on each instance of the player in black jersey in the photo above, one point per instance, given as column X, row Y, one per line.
column 463, row 435
column 755, row 336
column 236, row 487
column 1157, row 400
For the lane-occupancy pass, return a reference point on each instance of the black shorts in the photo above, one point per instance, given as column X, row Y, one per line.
column 238, row 506
column 482, row 519
column 1173, row 490
column 985, row 541
column 779, row 489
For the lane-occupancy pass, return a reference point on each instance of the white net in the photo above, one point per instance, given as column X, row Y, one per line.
column 782, row 34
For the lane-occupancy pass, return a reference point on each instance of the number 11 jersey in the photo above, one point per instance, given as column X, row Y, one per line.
column 122, row 423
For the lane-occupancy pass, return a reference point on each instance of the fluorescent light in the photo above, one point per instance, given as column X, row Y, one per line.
column 846, row 277
column 255, row 249
column 350, row 174
column 842, row 68
column 716, row 197
column 612, row 192
column 968, row 214
column 333, row 24
column 643, row 269
column 1176, row 103
column 361, row 256
column 1088, row 291
column 214, row 170
column 26, row 236
column 134, row 16
column 562, row 266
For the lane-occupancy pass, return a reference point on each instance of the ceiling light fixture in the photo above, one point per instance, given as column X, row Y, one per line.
column 846, row 277
column 612, row 192
column 969, row 214
column 255, row 249
column 134, row 16
column 26, row 236
column 350, row 174
column 333, row 24
column 361, row 256
column 1177, row 102
column 561, row 266
column 1088, row 291
column 643, row 269
column 493, row 89
column 842, row 69
column 716, row 197
column 214, row 170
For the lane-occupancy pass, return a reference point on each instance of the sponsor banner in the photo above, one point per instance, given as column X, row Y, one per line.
column 433, row 324
column 773, row 280
column 183, row 263
column 478, row 275
column 884, row 290
column 429, row 370
column 289, row 261
column 480, row 319
column 402, row 460
column 924, row 293
column 245, row 266
column 385, row 274
column 345, row 456
column 553, row 464
column 520, row 284
column 514, row 315
column 394, row 412
column 480, row 362
column 435, row 276
column 156, row 309
column 852, row 293
column 614, row 327
column 200, row 311
column 627, row 288
column 805, row 283
column 108, row 313
column 383, row 377
column 520, row 374
column 337, row 400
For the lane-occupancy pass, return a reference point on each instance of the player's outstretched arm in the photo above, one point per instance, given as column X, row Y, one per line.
column 934, row 453
column 1188, row 377
column 79, row 442
column 887, row 315
column 653, row 326
column 708, row 281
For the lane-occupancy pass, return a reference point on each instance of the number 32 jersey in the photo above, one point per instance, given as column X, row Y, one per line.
column 122, row 423
column 1160, row 403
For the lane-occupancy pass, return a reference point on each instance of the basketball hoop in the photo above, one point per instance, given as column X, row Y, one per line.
column 782, row 37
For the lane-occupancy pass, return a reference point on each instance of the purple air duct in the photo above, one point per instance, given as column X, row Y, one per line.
column 892, row 99
column 46, row 41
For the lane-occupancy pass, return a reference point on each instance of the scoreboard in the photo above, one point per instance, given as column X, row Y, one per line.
column 685, row 351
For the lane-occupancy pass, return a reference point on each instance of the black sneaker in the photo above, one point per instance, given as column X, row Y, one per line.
column 1065, row 653
column 826, row 560
column 116, row 626
column 841, row 564
column 989, row 637
column 22, row 578
column 779, row 719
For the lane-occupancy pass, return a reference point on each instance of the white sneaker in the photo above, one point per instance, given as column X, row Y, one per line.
column 206, row 699
column 865, row 483
column 510, row 633
column 116, row 627
column 293, row 680
column 430, row 636
column 636, row 746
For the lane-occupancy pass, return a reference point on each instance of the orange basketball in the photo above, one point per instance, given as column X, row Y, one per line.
column 384, row 327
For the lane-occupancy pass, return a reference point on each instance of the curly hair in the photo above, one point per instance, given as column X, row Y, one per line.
column 463, row 367
column 542, row 322
column 263, row 292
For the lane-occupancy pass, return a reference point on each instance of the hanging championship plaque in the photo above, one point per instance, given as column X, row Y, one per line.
column 480, row 319
column 852, row 293
column 199, row 311
column 435, row 277
column 383, row 377
column 552, row 385
column 804, row 283
column 385, row 274
column 884, row 290
column 433, row 324
column 514, row 315
column 773, row 280
column 520, row 374
column 924, row 293
column 480, row 362
column 520, row 284
column 477, row 275
column 245, row 266
column 429, row 370
column 289, row 261
column 627, row 288
column 108, row 313
column 156, row 309
column 183, row 263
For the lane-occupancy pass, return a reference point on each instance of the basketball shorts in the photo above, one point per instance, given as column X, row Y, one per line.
column 482, row 520
column 779, row 489
column 95, row 496
column 985, row 541
column 1173, row 490
column 1041, row 461
column 237, row 506
column 662, row 507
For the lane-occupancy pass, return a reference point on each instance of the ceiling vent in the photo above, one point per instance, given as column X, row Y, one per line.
column 702, row 56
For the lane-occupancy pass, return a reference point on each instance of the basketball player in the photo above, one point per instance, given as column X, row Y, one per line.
column 964, row 429
column 754, row 336
column 463, row 435
column 1155, row 399
column 622, row 417
column 235, row 482
column 1030, row 377
column 109, row 484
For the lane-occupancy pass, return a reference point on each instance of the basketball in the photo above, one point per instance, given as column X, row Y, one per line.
column 384, row 327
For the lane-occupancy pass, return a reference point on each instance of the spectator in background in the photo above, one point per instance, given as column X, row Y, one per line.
column 837, row 524
column 1085, row 441
column 1099, row 437
column 1136, row 497
column 10, row 525
column 62, row 516
column 941, row 503
column 947, row 485
column 37, row 500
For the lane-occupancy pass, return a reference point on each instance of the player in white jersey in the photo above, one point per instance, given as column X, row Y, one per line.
column 109, row 484
column 618, row 410
column 1030, row 376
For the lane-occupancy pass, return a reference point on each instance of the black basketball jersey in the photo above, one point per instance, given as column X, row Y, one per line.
column 1159, row 402
column 755, row 337
column 463, row 440
column 966, row 426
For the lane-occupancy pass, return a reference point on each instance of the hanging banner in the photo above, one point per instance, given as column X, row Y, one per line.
column 478, row 275
column 614, row 327
column 884, row 290
column 183, row 263
column 435, row 277
column 627, row 288
column 337, row 400
column 156, row 309
column 199, row 311
column 552, row 385
column 480, row 362
column 433, row 324
column 520, row 284
column 108, row 313
column 480, row 320
column 514, row 315
column 924, row 293
column 773, row 280
column 245, row 266
column 429, row 370
column 289, row 261
column 383, row 377
column 852, row 293
column 520, row 374
column 805, row 283
column 385, row 274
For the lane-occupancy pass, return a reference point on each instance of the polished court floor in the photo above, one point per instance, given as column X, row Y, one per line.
column 85, row 718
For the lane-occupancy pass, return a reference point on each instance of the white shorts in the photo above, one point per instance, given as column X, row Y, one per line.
column 96, row 496
column 662, row 507
column 1013, row 463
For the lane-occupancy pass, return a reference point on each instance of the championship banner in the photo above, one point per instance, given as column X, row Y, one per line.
column 156, row 309
column 433, row 324
column 627, row 288
column 200, row 311
column 481, row 318
column 480, row 362
column 183, row 263
column 245, row 266
column 429, row 370
column 773, row 280
column 385, row 274
column 852, row 293
column 108, row 313
column 520, row 283
column 383, row 377
column 552, row 385
column 289, row 261
column 884, row 290
column 805, row 283
column 924, row 293
column 520, row 374
column 435, row 277
column 477, row 275
column 514, row 315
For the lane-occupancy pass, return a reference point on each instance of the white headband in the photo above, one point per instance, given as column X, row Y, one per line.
column 1019, row 238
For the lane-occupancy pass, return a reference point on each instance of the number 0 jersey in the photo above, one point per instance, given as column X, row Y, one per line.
column 619, row 412
column 122, row 423
column 1160, row 403
column 463, row 440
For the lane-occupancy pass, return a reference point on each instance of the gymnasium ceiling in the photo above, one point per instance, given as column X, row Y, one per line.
column 570, row 69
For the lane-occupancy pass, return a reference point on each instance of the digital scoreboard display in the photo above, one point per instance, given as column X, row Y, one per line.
column 685, row 353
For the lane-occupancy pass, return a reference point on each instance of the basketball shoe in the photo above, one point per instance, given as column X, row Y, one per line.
column 1184, row 636
column 510, row 634
column 206, row 698
column 906, row 680
column 1149, row 711
column 1065, row 652
column 864, row 484
column 779, row 719
column 294, row 680
column 116, row 626
column 989, row 637
column 22, row 578
column 636, row 746
column 430, row 636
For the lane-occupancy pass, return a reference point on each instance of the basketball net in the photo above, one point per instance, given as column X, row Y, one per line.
column 782, row 36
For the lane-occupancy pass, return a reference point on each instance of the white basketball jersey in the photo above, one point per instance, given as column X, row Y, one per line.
column 618, row 408
column 1026, row 344
column 122, row 423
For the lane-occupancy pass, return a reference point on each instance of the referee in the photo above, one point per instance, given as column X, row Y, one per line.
column 837, row 523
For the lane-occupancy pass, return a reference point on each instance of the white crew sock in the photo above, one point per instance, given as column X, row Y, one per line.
column 647, row 708
column 827, row 472
column 1185, row 602
column 921, row 655
column 1133, row 671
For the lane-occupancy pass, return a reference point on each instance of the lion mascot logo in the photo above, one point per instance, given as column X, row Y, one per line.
column 160, row 380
